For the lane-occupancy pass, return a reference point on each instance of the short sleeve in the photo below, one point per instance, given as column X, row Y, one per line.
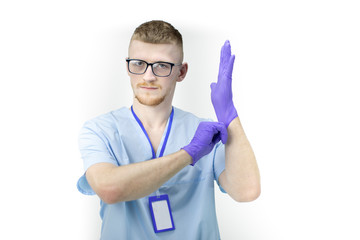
column 84, row 187
column 94, row 148
column 219, row 163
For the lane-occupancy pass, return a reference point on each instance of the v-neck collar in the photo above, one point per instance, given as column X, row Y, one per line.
column 147, row 136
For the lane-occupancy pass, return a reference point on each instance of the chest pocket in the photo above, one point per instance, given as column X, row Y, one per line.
column 187, row 178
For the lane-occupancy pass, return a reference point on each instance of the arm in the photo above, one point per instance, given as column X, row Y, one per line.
column 114, row 184
column 241, row 178
column 129, row 182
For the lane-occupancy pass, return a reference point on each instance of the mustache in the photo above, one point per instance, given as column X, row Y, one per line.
column 148, row 85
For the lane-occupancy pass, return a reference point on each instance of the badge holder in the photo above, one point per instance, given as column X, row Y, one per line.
column 159, row 205
column 161, row 213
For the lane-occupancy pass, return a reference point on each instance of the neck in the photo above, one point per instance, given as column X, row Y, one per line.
column 152, row 116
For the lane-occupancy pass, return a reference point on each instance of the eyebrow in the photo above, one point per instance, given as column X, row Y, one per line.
column 157, row 60
column 165, row 61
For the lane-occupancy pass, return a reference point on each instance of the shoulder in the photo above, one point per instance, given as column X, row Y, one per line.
column 108, row 121
column 186, row 123
column 181, row 114
column 187, row 117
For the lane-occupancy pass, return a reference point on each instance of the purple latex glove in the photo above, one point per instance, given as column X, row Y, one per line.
column 221, row 92
column 206, row 136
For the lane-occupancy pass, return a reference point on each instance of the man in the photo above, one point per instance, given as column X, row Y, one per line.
column 152, row 165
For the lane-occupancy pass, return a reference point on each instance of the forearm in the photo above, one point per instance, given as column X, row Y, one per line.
column 241, row 176
column 133, row 181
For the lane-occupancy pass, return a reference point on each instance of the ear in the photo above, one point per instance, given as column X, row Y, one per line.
column 183, row 71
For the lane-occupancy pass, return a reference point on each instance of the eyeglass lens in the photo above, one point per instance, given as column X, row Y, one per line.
column 159, row 68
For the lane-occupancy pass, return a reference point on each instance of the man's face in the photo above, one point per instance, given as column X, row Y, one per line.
column 148, row 88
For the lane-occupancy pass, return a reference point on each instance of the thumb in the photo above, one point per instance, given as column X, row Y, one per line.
column 221, row 128
column 212, row 86
column 216, row 138
column 223, row 133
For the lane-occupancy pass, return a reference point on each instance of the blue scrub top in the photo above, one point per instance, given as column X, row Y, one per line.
column 117, row 138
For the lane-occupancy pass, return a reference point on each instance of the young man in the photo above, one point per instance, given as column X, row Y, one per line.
column 153, row 165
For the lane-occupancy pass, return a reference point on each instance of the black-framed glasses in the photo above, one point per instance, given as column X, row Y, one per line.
column 160, row 69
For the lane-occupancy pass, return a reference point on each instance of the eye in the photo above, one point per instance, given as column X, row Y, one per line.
column 137, row 63
column 162, row 65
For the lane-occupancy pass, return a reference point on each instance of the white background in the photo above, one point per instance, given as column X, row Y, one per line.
column 295, row 86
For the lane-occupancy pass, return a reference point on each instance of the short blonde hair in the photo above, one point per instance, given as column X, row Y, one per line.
column 158, row 32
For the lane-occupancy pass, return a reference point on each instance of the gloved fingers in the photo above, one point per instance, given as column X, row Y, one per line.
column 225, row 52
column 226, row 62
column 208, row 130
column 220, row 128
column 212, row 86
column 230, row 67
column 224, row 57
column 216, row 138
column 223, row 133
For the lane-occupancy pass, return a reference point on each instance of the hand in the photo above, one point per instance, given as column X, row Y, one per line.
column 221, row 92
column 205, row 138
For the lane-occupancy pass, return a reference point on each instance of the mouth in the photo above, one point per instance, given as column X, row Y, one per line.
column 149, row 88
column 146, row 87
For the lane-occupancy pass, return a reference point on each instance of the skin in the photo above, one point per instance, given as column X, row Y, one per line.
column 152, row 103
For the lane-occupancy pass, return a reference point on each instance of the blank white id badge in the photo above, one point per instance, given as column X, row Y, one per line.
column 161, row 213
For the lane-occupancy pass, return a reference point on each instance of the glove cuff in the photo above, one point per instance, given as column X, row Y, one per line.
column 191, row 151
column 231, row 116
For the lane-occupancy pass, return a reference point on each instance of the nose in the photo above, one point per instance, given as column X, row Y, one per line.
column 149, row 75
